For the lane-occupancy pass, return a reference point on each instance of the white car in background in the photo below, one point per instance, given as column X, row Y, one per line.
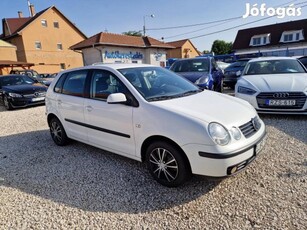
column 151, row 114
column 274, row 85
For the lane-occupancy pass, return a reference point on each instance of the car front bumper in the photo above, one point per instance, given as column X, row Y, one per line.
column 224, row 164
column 18, row 102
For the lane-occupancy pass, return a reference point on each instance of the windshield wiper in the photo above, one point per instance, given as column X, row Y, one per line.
column 191, row 92
column 160, row 98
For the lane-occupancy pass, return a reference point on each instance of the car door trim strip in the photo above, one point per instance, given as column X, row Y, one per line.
column 98, row 128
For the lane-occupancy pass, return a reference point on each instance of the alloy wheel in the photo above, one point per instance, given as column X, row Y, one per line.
column 164, row 164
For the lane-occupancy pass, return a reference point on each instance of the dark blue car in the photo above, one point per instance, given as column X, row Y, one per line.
column 233, row 72
column 202, row 71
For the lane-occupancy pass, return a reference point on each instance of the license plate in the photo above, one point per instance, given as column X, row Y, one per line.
column 280, row 102
column 38, row 99
column 260, row 146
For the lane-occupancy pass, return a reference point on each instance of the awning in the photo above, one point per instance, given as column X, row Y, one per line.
column 5, row 63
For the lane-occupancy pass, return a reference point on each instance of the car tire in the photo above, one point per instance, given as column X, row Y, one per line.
column 167, row 164
column 6, row 103
column 57, row 132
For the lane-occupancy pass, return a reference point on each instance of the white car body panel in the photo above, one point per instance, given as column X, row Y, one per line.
column 274, row 83
column 183, row 120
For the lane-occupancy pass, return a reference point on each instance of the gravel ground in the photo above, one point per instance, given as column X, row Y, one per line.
column 43, row 186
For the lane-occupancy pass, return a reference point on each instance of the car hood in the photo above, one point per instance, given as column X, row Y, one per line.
column 24, row 89
column 278, row 82
column 193, row 76
column 209, row 106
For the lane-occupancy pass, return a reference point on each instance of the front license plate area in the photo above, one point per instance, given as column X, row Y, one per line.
column 280, row 102
column 38, row 99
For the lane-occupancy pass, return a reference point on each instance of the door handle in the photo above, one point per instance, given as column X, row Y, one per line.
column 59, row 102
column 89, row 108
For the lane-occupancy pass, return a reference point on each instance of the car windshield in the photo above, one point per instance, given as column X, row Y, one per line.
column 155, row 83
column 16, row 80
column 273, row 67
column 191, row 65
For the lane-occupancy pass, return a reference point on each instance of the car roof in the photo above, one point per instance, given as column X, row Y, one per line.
column 271, row 59
column 114, row 66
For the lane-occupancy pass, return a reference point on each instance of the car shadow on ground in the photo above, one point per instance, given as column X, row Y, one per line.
column 282, row 122
column 88, row 178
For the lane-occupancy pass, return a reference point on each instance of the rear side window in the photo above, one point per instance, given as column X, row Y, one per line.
column 59, row 84
column 74, row 83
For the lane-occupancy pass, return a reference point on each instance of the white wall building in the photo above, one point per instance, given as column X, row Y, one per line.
column 118, row 48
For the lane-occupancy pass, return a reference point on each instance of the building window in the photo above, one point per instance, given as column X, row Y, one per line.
column 44, row 22
column 256, row 41
column 60, row 46
column 292, row 36
column 62, row 66
column 261, row 39
column 38, row 45
column 288, row 37
column 56, row 25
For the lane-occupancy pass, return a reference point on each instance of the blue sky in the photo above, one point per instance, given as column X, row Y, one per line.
column 117, row 16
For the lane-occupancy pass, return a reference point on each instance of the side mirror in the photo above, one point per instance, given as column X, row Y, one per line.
column 116, row 98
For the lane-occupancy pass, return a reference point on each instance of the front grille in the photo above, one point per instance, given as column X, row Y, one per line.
column 299, row 97
column 36, row 94
column 249, row 128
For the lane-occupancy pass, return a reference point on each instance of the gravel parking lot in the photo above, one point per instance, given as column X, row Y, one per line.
column 43, row 186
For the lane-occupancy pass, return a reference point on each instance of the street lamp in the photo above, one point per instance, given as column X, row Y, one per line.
column 144, row 28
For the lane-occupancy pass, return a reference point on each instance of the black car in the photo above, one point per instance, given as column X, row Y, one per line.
column 303, row 60
column 18, row 91
column 233, row 72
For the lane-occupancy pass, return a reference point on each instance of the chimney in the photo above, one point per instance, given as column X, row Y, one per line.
column 32, row 10
column 20, row 15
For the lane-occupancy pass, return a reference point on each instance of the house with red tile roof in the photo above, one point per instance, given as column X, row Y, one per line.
column 282, row 39
column 119, row 48
column 183, row 49
column 44, row 39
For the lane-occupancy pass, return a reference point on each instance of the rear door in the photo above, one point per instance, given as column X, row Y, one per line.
column 70, row 103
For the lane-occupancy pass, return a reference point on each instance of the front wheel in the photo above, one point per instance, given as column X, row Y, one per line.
column 57, row 132
column 166, row 164
column 6, row 103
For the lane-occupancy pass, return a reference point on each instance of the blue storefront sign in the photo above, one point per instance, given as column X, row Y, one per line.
column 122, row 55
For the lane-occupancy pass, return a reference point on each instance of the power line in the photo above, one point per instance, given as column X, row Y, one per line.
column 212, row 22
column 198, row 24
column 234, row 26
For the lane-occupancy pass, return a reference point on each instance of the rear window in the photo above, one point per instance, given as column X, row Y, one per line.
column 195, row 65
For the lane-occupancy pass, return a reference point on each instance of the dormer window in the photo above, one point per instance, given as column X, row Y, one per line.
column 260, row 40
column 292, row 36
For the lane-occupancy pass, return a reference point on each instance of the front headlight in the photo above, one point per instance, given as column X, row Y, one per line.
column 245, row 90
column 202, row 80
column 219, row 134
column 14, row 95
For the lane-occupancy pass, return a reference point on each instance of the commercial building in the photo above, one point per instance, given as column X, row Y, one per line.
column 119, row 48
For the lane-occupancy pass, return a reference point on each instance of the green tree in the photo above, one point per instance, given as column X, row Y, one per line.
column 221, row 47
column 134, row 33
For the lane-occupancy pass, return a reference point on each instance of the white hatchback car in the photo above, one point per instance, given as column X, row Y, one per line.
column 274, row 85
column 150, row 114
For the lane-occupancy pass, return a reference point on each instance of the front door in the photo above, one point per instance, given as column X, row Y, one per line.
column 110, row 126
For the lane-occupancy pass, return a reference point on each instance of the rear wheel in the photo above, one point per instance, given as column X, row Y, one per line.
column 167, row 164
column 57, row 132
column 6, row 103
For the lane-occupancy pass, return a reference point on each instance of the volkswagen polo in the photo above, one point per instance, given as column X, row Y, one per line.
column 153, row 115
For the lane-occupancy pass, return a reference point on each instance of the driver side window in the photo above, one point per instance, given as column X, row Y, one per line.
column 105, row 83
